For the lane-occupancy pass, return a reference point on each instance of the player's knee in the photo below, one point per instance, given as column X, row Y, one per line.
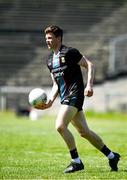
column 60, row 128
column 85, row 134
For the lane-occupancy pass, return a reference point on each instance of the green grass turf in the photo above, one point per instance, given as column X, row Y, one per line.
column 34, row 150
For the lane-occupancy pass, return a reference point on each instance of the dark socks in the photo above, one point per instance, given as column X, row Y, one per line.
column 74, row 153
column 105, row 150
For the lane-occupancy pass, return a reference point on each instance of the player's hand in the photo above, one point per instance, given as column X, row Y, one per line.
column 88, row 91
column 43, row 105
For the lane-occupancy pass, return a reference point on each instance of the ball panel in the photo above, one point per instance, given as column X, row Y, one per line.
column 37, row 96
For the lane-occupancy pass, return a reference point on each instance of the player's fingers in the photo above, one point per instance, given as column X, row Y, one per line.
column 40, row 106
column 88, row 93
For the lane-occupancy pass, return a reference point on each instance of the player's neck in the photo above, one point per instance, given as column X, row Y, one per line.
column 56, row 50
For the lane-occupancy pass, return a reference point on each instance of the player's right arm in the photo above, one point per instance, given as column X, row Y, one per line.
column 52, row 96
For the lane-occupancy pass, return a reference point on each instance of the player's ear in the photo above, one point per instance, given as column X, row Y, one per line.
column 59, row 38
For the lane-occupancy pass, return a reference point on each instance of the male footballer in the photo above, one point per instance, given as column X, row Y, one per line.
column 64, row 65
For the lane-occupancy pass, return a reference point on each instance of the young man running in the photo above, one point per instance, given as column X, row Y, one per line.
column 64, row 65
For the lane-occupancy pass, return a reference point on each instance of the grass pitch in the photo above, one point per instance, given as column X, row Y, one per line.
column 34, row 150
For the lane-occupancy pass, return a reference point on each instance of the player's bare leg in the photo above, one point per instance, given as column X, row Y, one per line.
column 65, row 115
column 80, row 123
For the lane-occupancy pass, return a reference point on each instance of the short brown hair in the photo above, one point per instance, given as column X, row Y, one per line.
column 58, row 32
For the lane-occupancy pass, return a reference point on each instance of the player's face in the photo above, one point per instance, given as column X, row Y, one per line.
column 51, row 41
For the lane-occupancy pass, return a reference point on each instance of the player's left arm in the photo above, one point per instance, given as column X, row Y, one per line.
column 84, row 62
column 54, row 91
column 52, row 96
